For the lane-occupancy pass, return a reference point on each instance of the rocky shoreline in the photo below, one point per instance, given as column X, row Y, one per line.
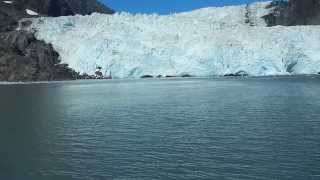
column 24, row 58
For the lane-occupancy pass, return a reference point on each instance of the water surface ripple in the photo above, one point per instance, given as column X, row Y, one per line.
column 254, row 128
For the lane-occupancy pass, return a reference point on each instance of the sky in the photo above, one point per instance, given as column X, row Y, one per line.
column 167, row 6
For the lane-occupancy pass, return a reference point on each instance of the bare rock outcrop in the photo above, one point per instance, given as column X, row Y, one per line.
column 22, row 56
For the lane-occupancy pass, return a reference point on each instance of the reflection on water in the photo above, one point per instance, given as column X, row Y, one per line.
column 255, row 128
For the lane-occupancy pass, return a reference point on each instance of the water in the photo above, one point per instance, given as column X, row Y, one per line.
column 255, row 128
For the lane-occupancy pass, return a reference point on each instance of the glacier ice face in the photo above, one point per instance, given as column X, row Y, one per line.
column 205, row 42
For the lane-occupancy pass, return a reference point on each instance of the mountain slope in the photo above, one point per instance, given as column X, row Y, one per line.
column 57, row 8
column 294, row 12
column 206, row 42
column 22, row 56
column 10, row 13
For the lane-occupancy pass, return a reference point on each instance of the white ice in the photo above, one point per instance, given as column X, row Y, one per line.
column 204, row 42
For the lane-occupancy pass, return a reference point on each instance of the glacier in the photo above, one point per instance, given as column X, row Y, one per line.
column 205, row 42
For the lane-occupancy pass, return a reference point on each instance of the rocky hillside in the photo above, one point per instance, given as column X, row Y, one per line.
column 64, row 7
column 12, row 11
column 294, row 12
column 22, row 56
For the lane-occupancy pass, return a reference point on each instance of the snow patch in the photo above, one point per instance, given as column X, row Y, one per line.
column 31, row 13
column 205, row 42
column 8, row 2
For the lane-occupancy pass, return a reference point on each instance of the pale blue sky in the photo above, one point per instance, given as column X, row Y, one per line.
column 167, row 6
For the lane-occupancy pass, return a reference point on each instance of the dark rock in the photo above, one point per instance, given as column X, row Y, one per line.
column 159, row 76
column 71, row 7
column 230, row 75
column 146, row 76
column 86, row 7
column 64, row 73
column 25, row 23
column 294, row 12
column 237, row 74
column 16, row 68
column 86, row 76
column 22, row 56
column 98, row 74
column 10, row 14
column 186, row 75
column 171, row 76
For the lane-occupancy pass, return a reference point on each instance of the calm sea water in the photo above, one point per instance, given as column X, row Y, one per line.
column 254, row 128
